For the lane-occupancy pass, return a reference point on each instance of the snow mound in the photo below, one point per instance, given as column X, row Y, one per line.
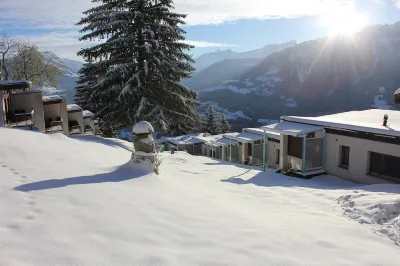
column 379, row 210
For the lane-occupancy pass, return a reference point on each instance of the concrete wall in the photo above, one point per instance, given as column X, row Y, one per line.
column 296, row 163
column 285, row 159
column 272, row 147
column 29, row 101
column 77, row 116
column 58, row 110
column 64, row 115
column 88, row 122
column 359, row 157
column 206, row 150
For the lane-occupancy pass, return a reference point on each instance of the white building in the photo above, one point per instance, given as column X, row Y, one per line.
column 356, row 145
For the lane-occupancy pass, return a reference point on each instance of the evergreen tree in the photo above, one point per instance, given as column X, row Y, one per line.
column 224, row 124
column 135, row 73
column 211, row 122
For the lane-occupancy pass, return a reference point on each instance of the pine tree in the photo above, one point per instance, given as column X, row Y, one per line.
column 211, row 122
column 135, row 73
column 224, row 124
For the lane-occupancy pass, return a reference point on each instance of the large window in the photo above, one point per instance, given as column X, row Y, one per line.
column 295, row 147
column 249, row 149
column 344, row 157
column 384, row 166
column 278, row 156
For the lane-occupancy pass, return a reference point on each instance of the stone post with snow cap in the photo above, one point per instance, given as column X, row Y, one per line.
column 144, row 145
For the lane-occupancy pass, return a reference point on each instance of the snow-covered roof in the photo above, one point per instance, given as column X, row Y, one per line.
column 185, row 139
column 293, row 129
column 366, row 121
column 15, row 84
column 73, row 107
column 269, row 134
column 51, row 98
column 87, row 114
column 224, row 141
column 143, row 127
column 246, row 137
column 397, row 91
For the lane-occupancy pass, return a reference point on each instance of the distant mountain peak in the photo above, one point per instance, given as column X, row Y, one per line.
column 67, row 67
column 206, row 60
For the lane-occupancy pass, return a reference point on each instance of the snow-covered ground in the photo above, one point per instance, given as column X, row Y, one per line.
column 77, row 201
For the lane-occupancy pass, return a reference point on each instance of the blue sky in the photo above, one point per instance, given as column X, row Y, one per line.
column 224, row 24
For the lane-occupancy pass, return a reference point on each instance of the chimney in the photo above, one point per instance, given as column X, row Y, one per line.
column 385, row 119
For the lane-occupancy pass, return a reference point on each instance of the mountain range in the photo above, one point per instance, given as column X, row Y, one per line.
column 323, row 76
column 67, row 78
column 317, row 77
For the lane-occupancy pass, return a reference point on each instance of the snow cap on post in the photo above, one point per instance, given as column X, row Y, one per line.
column 143, row 127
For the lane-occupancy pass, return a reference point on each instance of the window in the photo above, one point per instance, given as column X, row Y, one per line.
column 295, row 147
column 277, row 156
column 249, row 149
column 344, row 157
column 383, row 165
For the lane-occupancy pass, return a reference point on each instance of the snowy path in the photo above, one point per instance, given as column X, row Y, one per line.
column 75, row 202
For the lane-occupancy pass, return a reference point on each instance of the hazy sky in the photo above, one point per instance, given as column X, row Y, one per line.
column 211, row 24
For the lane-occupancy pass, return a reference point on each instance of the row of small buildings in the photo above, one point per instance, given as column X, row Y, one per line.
column 359, row 146
column 20, row 106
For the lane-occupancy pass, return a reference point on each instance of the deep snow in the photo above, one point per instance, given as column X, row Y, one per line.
column 76, row 201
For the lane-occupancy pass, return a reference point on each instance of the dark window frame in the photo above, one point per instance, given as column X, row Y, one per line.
column 344, row 159
column 278, row 156
column 388, row 169
column 295, row 147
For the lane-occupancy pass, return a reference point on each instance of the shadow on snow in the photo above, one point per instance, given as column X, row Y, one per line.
column 272, row 179
column 105, row 141
column 125, row 172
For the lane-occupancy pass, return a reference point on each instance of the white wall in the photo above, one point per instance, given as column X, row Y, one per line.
column 88, row 122
column 283, row 163
column 359, row 157
column 58, row 110
column 77, row 116
column 29, row 101
column 272, row 147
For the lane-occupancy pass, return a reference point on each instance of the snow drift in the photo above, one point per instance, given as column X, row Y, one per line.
column 379, row 210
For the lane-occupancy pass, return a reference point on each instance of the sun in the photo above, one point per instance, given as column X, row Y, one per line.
column 343, row 21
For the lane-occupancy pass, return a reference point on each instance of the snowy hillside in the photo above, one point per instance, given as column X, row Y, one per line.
column 229, row 115
column 317, row 77
column 67, row 67
column 69, row 75
column 205, row 60
column 76, row 201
